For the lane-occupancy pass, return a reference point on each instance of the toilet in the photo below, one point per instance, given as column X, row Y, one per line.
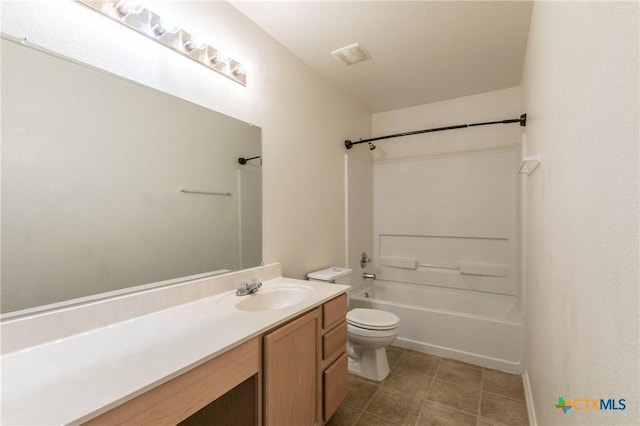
column 369, row 331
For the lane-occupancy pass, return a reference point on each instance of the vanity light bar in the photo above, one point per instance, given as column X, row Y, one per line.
column 165, row 32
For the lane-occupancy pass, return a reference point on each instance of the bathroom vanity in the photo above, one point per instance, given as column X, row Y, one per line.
column 275, row 357
column 305, row 368
column 300, row 387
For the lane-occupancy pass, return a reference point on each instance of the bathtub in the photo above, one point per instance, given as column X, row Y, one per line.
column 479, row 328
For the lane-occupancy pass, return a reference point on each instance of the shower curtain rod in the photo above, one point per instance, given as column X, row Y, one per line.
column 522, row 120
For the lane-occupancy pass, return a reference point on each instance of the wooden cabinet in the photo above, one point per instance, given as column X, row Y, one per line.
column 290, row 372
column 234, row 408
column 334, row 362
column 335, row 385
column 183, row 396
column 305, row 367
column 295, row 374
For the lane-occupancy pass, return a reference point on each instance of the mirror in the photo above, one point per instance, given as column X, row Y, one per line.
column 108, row 185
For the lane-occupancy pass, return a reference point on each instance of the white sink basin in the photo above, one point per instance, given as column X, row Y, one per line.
column 270, row 298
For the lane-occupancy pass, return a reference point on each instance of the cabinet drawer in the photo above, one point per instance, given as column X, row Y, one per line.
column 336, row 386
column 334, row 341
column 334, row 311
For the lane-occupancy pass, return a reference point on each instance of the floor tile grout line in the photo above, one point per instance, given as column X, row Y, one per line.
column 364, row 408
column 383, row 418
column 426, row 397
column 459, row 384
column 380, row 417
column 443, row 364
column 382, row 388
column 482, row 376
column 462, row 364
column 355, row 422
column 467, row 413
column 505, row 397
column 413, row 371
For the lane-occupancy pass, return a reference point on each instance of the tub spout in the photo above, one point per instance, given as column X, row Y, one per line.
column 368, row 276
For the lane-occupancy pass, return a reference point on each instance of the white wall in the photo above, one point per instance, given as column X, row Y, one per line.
column 359, row 211
column 447, row 211
column 490, row 106
column 580, row 90
column 304, row 120
column 449, row 196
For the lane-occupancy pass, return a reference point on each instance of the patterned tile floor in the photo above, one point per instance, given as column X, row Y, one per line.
column 426, row 390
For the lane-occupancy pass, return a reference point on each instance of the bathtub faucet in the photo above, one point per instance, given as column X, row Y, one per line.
column 368, row 276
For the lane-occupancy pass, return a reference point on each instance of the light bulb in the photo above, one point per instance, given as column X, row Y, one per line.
column 164, row 26
column 193, row 43
column 239, row 69
column 220, row 56
column 126, row 8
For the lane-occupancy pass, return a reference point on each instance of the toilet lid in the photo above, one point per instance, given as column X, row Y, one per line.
column 374, row 319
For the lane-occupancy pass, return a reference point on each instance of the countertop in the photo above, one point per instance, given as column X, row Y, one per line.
column 73, row 379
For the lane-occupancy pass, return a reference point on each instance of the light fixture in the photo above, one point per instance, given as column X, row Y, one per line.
column 165, row 32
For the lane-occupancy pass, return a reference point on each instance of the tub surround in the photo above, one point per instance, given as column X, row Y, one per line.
column 131, row 345
column 472, row 327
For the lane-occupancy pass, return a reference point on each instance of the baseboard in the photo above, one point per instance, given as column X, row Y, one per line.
column 471, row 358
column 528, row 396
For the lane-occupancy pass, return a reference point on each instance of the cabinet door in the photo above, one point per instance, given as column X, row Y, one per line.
column 291, row 372
column 336, row 385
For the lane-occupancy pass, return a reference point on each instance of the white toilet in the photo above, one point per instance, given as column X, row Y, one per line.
column 369, row 331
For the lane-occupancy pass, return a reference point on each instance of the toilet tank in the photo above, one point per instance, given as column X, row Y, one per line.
column 332, row 275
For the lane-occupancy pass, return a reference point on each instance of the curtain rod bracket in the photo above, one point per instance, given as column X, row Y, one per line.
column 243, row 160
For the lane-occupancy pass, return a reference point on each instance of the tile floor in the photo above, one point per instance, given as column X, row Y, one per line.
column 425, row 390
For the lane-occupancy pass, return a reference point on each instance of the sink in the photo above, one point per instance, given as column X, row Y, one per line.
column 270, row 298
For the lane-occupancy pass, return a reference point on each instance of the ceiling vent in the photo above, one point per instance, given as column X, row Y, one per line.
column 351, row 54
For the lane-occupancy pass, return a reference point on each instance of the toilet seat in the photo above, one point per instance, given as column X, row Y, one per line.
column 372, row 319
column 373, row 335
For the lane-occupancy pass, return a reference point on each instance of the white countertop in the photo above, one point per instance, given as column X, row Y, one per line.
column 73, row 379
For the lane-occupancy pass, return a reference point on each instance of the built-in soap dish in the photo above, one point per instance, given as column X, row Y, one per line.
column 529, row 164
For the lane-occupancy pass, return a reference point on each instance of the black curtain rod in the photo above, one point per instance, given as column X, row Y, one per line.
column 522, row 120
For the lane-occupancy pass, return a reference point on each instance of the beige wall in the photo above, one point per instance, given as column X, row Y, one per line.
column 580, row 90
column 304, row 120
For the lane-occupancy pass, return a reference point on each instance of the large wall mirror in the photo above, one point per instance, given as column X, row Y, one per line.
column 108, row 185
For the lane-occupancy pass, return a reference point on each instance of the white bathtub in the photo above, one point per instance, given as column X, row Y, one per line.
column 480, row 328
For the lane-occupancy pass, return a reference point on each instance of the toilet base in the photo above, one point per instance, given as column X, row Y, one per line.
column 372, row 363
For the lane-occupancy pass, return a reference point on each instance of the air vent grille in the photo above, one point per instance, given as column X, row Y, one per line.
column 351, row 54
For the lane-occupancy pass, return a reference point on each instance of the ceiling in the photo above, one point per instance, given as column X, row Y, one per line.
column 422, row 51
